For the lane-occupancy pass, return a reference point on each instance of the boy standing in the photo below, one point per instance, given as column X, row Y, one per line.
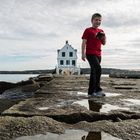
column 92, row 39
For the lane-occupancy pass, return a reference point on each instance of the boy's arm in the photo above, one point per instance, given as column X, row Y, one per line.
column 83, row 47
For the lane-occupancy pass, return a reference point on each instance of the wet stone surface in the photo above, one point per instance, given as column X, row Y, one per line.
column 61, row 106
column 72, row 135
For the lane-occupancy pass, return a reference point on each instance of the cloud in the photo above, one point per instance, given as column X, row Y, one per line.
column 123, row 20
column 25, row 20
column 31, row 29
column 51, row 18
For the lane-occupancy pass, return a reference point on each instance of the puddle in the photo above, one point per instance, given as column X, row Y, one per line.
column 82, row 93
column 64, row 103
column 72, row 135
column 132, row 102
column 60, row 104
column 79, row 93
column 43, row 108
column 108, row 107
column 89, row 104
column 108, row 94
column 98, row 107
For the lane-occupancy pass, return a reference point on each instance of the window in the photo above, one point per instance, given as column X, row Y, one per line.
column 63, row 54
column 73, row 62
column 71, row 54
column 67, row 62
column 61, row 62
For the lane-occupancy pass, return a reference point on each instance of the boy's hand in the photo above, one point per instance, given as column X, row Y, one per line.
column 83, row 57
column 103, row 40
column 100, row 35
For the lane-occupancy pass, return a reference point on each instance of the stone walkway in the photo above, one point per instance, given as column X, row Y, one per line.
column 62, row 103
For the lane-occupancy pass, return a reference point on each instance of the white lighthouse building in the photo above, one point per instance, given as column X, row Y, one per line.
column 67, row 60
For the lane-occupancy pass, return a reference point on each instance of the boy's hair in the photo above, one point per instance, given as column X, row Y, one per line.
column 95, row 15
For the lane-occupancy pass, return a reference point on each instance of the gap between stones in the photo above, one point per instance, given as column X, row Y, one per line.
column 92, row 117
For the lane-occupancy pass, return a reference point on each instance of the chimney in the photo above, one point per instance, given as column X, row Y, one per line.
column 66, row 41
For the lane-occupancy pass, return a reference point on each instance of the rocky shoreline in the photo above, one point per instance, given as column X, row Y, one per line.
column 51, row 103
column 110, row 71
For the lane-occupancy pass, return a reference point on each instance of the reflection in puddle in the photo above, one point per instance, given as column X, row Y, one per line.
column 72, row 135
column 98, row 107
column 84, row 94
column 132, row 102
column 108, row 107
column 89, row 104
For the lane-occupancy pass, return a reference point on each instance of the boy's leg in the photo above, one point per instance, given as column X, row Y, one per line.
column 98, row 74
column 92, row 81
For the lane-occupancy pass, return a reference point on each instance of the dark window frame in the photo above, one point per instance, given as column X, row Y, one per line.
column 73, row 62
column 61, row 62
column 70, row 54
column 63, row 54
column 67, row 62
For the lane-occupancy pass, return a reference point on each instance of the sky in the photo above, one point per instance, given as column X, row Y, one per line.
column 31, row 31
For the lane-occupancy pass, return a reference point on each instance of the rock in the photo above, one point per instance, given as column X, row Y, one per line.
column 64, row 100
column 68, row 113
column 21, row 90
column 125, row 74
column 6, row 104
column 27, row 82
column 31, row 88
column 6, row 85
column 126, row 130
column 12, row 127
column 46, row 77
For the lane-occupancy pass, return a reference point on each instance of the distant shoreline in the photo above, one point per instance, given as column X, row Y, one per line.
column 83, row 71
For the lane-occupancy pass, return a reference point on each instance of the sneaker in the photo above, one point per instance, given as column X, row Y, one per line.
column 98, row 94
column 101, row 93
column 94, row 94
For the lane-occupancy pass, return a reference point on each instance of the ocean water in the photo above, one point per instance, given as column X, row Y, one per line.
column 19, row 77
column 15, row 77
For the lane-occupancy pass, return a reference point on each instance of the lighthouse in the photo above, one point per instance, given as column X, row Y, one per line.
column 67, row 60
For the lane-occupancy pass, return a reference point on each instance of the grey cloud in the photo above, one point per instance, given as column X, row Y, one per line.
column 51, row 18
column 22, row 21
column 65, row 3
column 113, row 21
column 28, row 36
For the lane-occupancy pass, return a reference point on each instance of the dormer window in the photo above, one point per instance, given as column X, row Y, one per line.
column 63, row 54
column 70, row 54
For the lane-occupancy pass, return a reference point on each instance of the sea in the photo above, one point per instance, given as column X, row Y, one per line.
column 14, row 78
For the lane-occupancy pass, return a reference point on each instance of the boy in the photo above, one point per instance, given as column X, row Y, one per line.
column 92, row 39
